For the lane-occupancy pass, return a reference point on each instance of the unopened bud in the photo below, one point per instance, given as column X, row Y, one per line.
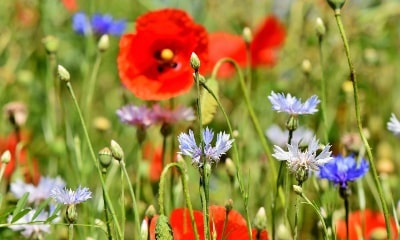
column 51, row 44
column 150, row 212
column 260, row 221
column 320, row 27
column 292, row 123
column 104, row 43
column 6, row 157
column 336, row 4
column 228, row 205
column 306, row 66
column 117, row 151
column 71, row 213
column 247, row 35
column 144, row 230
column 63, row 74
column 194, row 61
column 105, row 157
column 297, row 189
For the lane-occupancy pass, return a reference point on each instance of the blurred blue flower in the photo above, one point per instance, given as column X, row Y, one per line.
column 99, row 24
column 39, row 192
column 105, row 24
column 69, row 197
column 136, row 116
column 81, row 24
column 29, row 227
column 189, row 147
column 292, row 105
column 307, row 160
column 394, row 125
column 342, row 170
column 278, row 136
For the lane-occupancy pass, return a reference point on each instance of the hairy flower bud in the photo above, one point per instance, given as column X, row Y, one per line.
column 336, row 4
column 117, row 151
column 194, row 61
column 103, row 43
column 6, row 157
column 105, row 157
column 63, row 74
column 260, row 221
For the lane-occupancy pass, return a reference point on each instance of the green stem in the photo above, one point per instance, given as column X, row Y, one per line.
column 323, row 91
column 71, row 231
column 109, row 234
column 296, row 216
column 134, row 205
column 122, row 203
column 93, row 156
column 138, row 180
column 353, row 78
column 185, row 190
column 92, row 83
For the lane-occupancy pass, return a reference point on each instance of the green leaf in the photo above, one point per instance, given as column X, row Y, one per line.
column 20, row 205
column 55, row 213
column 208, row 104
column 20, row 214
column 40, row 208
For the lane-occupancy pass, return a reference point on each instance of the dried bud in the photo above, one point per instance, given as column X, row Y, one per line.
column 228, row 206
column 320, row 27
column 194, row 61
column 247, row 35
column 163, row 229
column 63, row 74
column 117, row 151
column 260, row 221
column 104, row 43
column 6, row 157
column 16, row 113
column 105, row 157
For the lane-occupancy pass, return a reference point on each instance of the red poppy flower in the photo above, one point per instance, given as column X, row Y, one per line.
column 268, row 38
column 70, row 5
column 374, row 224
column 235, row 229
column 154, row 62
column 28, row 167
column 154, row 155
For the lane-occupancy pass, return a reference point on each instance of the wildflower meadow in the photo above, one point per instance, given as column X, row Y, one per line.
column 202, row 119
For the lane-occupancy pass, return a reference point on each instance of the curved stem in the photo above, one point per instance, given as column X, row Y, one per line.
column 92, row 82
column 185, row 190
column 93, row 156
column 353, row 78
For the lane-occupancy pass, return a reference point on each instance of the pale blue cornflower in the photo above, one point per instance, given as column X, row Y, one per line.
column 99, row 24
column 292, row 105
column 189, row 147
column 135, row 116
column 308, row 160
column 29, row 227
column 36, row 193
column 69, row 197
column 278, row 136
column 342, row 170
column 394, row 125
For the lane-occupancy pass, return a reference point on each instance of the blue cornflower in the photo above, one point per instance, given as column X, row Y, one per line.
column 136, row 116
column 39, row 192
column 105, row 24
column 394, row 125
column 292, row 105
column 189, row 147
column 81, row 24
column 69, row 197
column 342, row 170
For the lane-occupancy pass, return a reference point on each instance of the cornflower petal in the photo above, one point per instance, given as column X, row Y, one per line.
column 394, row 125
column 69, row 197
column 292, row 105
column 134, row 115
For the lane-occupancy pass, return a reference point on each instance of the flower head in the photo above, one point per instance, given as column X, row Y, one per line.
column 81, row 24
column 189, row 147
column 105, row 24
column 292, row 105
column 394, row 125
column 153, row 63
column 342, row 170
column 69, row 197
column 364, row 225
column 268, row 38
column 307, row 160
column 136, row 116
column 164, row 115
column 31, row 230
column 39, row 192
column 279, row 136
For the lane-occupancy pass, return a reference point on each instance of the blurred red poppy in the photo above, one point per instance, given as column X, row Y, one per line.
column 374, row 226
column 268, row 38
column 235, row 229
column 154, row 62
column 28, row 167
column 154, row 155
column 70, row 5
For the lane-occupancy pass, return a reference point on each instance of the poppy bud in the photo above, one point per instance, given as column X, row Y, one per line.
column 336, row 4
column 63, row 74
column 117, row 151
column 50, row 44
column 6, row 157
column 260, row 221
column 306, row 66
column 320, row 27
column 163, row 229
column 150, row 212
column 105, row 156
column 297, row 189
column 104, row 43
column 247, row 35
column 194, row 61
column 228, row 206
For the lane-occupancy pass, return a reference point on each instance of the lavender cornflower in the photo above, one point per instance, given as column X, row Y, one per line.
column 105, row 24
column 292, row 105
column 299, row 161
column 394, row 125
column 69, row 197
column 279, row 136
column 189, row 147
column 28, row 228
column 136, row 116
column 39, row 192
column 342, row 170
column 81, row 24
column 164, row 115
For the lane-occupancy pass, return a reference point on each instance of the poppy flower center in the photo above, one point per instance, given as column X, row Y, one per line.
column 165, row 59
